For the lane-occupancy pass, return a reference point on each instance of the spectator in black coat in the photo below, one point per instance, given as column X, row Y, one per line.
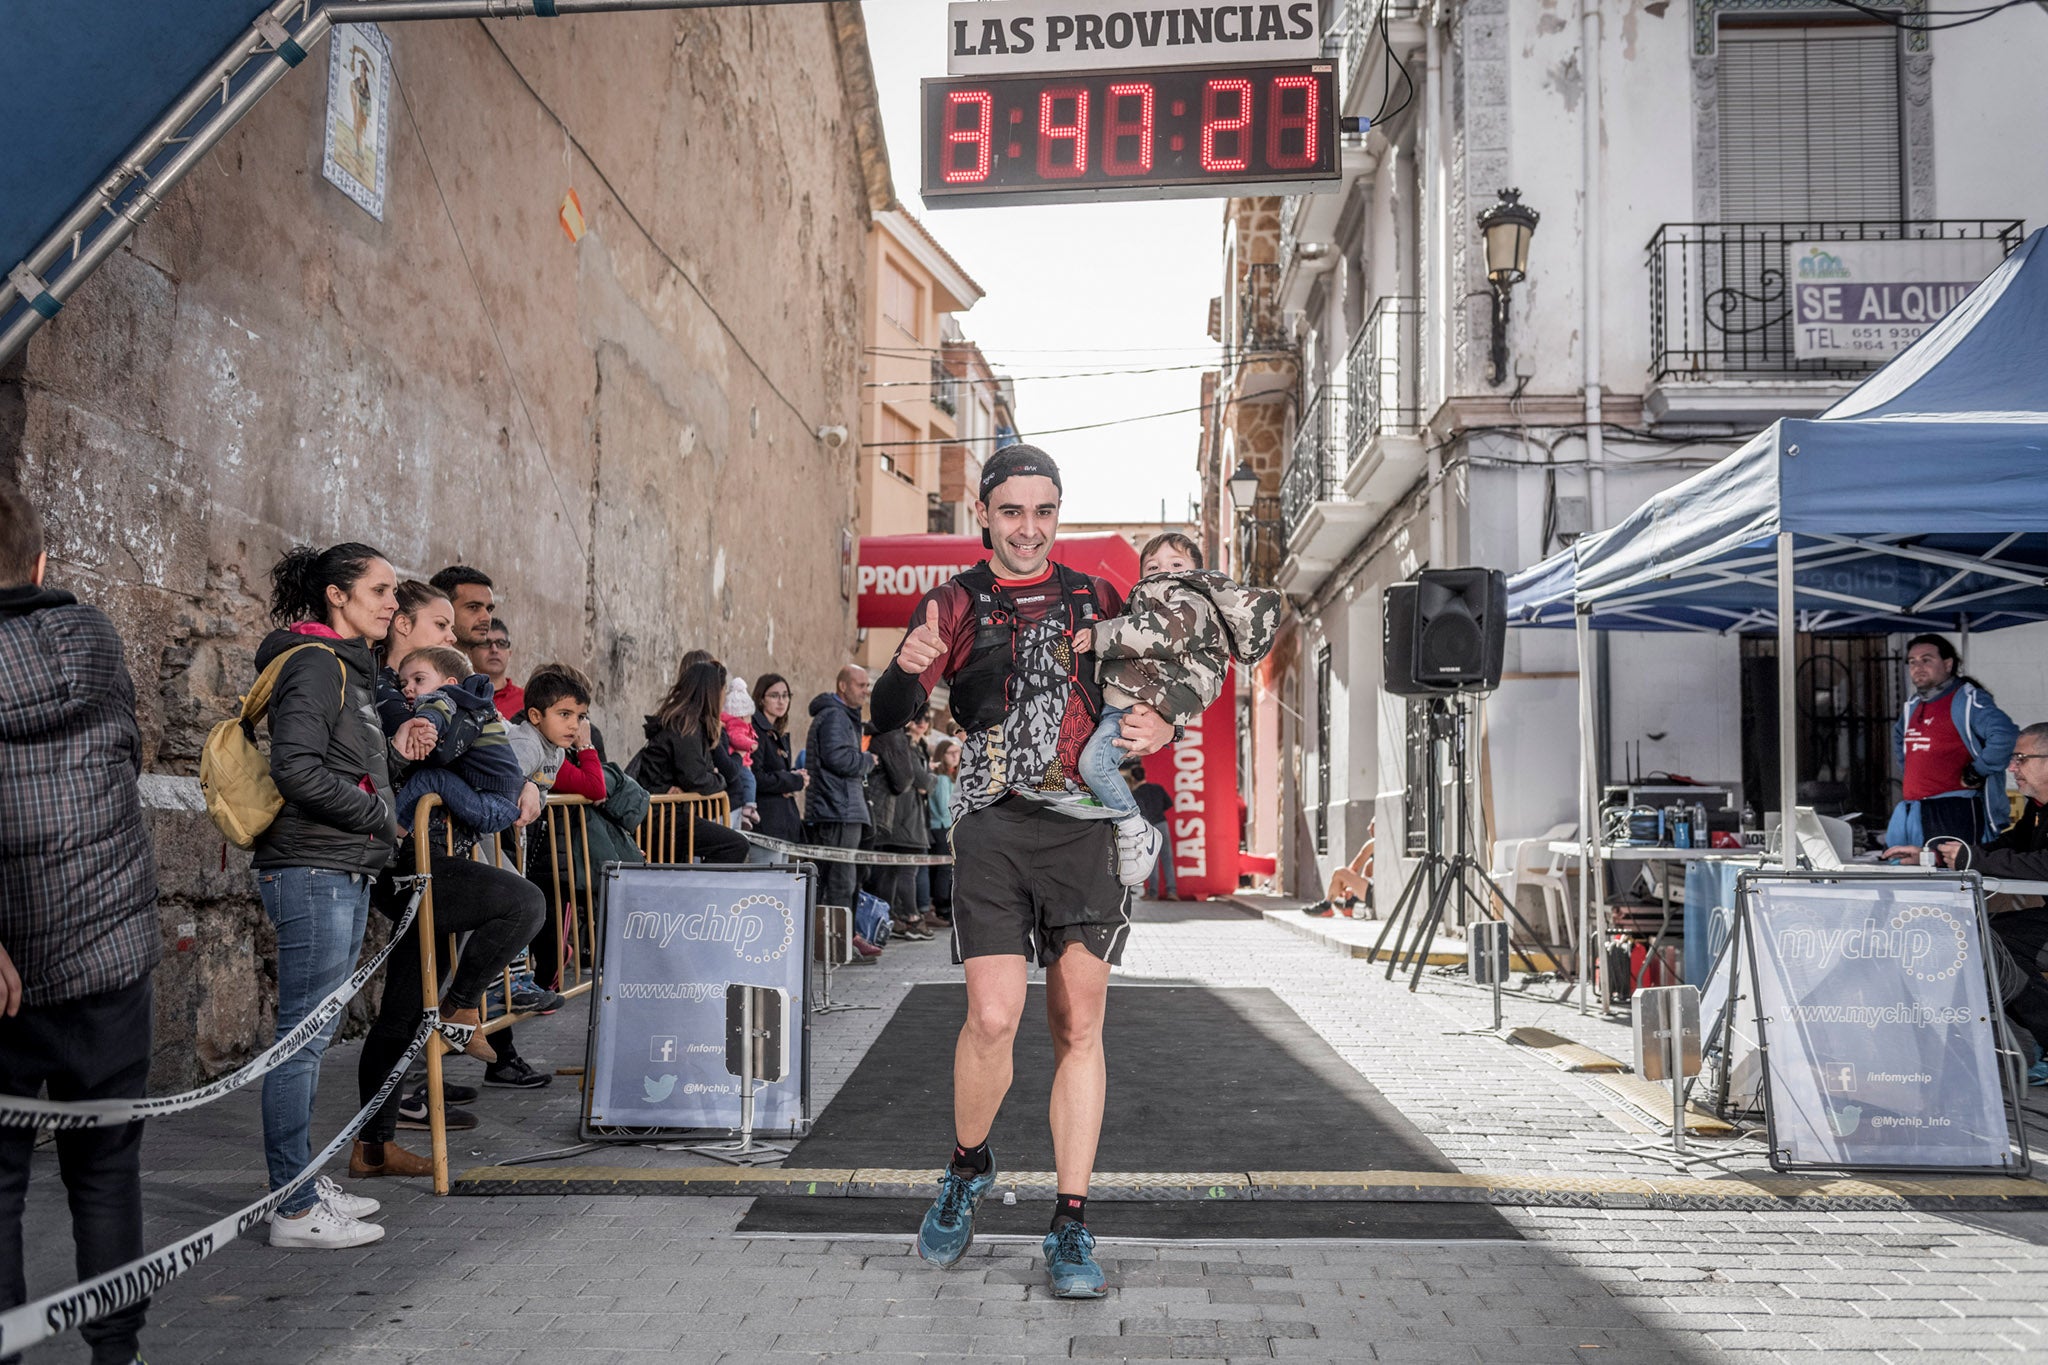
column 896, row 792
column 686, row 752
column 79, row 941
column 835, row 804
column 316, row 862
column 776, row 783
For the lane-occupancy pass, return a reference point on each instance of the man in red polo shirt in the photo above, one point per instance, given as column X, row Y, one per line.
column 1952, row 743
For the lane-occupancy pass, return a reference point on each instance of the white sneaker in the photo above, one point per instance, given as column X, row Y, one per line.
column 1137, row 849
column 338, row 1199
column 342, row 1202
column 323, row 1226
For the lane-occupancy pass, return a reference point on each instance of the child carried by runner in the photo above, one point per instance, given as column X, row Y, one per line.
column 1179, row 631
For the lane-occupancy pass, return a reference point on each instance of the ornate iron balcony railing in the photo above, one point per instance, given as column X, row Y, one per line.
column 1721, row 298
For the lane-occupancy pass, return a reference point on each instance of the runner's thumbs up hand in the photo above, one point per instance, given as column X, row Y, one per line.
column 923, row 645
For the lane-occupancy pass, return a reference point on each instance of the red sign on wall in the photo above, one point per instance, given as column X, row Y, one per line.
column 1200, row 773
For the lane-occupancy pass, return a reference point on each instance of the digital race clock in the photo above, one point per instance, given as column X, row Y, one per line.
column 1155, row 134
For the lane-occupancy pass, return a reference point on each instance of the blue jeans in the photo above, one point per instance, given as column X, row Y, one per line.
column 743, row 794
column 1102, row 764
column 1162, row 874
column 319, row 914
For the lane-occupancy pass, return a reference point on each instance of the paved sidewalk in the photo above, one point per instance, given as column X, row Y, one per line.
column 578, row 1280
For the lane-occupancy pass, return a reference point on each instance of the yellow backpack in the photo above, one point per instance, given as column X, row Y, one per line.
column 234, row 775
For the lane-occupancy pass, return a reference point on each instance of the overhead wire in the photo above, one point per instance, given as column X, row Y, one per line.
column 1915, row 23
column 1043, row 378
column 1060, row 431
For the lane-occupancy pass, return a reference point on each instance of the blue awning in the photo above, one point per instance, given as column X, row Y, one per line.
column 82, row 84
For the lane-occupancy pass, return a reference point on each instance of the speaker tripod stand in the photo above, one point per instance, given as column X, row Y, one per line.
column 1446, row 877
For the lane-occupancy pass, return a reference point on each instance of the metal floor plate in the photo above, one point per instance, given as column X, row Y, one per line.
column 1532, row 1189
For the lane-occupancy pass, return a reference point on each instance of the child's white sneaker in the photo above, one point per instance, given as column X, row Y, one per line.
column 1137, row 849
column 323, row 1226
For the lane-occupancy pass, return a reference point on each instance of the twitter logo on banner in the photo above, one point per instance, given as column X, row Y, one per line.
column 656, row 1091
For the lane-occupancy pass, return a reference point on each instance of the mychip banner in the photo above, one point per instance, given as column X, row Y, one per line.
column 674, row 943
column 1871, row 300
column 1875, row 1013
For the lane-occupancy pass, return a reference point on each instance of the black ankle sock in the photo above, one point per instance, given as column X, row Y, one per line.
column 1069, row 1208
column 373, row 1153
column 975, row 1160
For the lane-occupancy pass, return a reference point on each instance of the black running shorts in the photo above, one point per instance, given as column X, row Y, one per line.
column 1029, row 881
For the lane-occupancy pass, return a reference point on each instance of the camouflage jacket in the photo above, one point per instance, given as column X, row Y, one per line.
column 1178, row 634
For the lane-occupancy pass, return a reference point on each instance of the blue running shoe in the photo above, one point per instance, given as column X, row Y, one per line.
column 2037, row 1074
column 1070, row 1260
column 949, row 1224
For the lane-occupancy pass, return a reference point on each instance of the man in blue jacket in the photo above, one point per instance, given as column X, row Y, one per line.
column 1952, row 744
column 79, row 941
column 836, row 805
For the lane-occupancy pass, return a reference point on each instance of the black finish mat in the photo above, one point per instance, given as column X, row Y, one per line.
column 1199, row 1080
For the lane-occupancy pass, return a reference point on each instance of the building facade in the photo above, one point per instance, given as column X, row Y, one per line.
column 619, row 425
column 1680, row 156
column 932, row 407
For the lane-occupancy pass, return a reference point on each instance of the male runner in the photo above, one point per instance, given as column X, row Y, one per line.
column 1035, row 873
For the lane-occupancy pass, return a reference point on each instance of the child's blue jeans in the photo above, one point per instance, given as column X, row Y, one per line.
column 1102, row 763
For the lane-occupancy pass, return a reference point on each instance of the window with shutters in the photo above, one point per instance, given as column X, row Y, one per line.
column 902, row 299
column 900, row 449
column 1809, row 122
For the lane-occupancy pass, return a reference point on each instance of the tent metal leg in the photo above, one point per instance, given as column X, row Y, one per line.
column 1788, row 709
column 1589, row 810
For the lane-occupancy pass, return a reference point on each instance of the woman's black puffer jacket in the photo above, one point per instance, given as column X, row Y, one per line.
column 683, row 761
column 775, row 785
column 325, row 739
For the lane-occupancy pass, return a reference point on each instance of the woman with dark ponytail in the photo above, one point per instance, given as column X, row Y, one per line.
column 316, row 862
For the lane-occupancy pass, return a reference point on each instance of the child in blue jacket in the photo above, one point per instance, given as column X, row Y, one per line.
column 472, row 768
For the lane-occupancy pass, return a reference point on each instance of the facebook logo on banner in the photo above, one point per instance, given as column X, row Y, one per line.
column 662, row 1050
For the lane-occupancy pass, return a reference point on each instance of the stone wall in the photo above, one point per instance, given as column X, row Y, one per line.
column 619, row 430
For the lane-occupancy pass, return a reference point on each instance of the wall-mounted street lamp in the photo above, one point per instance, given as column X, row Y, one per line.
column 1507, row 227
column 1244, row 487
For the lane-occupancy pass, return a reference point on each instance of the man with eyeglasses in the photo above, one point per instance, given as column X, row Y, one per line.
column 1951, row 743
column 491, row 656
column 2019, row 854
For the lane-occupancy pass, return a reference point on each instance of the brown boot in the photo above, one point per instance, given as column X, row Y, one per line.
column 458, row 1033
column 397, row 1161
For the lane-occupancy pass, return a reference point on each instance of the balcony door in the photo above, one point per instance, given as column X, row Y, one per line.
column 1809, row 147
column 1809, row 123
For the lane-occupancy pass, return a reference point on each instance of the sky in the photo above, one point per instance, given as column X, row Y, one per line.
column 1073, row 289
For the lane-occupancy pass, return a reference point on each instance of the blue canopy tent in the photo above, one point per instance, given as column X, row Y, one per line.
column 1918, row 502
column 110, row 104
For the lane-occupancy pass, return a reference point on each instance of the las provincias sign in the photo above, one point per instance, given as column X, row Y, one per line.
column 1005, row 37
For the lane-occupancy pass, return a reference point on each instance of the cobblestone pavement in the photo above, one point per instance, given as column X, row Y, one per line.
column 565, row 1280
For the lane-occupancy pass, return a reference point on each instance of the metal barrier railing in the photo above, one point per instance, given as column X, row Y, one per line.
column 667, row 834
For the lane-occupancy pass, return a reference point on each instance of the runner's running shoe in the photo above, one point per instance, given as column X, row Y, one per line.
column 1070, row 1260
column 949, row 1224
column 1137, row 849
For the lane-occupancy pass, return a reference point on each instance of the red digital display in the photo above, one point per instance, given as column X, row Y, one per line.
column 1160, row 133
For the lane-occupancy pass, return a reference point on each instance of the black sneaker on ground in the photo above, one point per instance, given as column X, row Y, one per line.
column 412, row 1113
column 1320, row 910
column 451, row 1093
column 513, row 1073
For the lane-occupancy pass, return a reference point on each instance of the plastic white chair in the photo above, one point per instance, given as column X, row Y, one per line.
column 1529, row 862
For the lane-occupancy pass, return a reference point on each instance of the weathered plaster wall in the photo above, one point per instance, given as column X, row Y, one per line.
column 268, row 364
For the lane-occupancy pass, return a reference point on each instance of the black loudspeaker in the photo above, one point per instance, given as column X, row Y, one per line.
column 1445, row 632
